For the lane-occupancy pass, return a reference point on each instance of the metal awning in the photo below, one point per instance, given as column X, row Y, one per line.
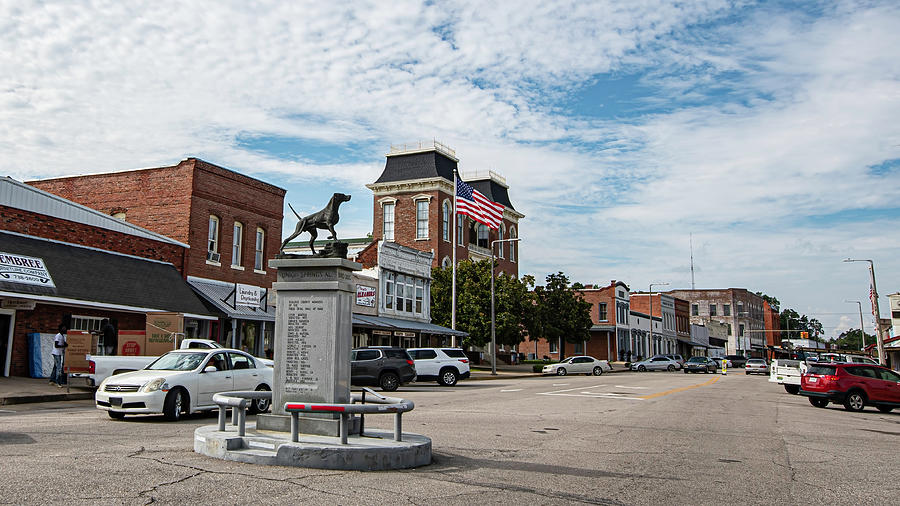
column 386, row 323
column 217, row 293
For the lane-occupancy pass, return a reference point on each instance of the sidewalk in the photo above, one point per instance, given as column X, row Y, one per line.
column 19, row 390
column 505, row 371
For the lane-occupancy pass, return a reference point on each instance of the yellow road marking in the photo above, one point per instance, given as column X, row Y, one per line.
column 682, row 389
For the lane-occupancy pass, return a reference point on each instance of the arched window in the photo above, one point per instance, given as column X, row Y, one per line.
column 445, row 221
column 388, row 224
column 422, row 219
column 500, row 245
column 446, row 262
column 512, row 244
column 483, row 236
column 460, row 230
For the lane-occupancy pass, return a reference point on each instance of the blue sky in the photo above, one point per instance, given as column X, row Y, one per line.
column 767, row 131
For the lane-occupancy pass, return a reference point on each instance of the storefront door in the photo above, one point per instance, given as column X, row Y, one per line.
column 6, row 332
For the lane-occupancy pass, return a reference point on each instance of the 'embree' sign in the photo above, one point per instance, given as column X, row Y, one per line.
column 25, row 270
column 365, row 296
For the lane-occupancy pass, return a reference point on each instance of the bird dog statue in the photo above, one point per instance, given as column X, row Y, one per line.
column 324, row 219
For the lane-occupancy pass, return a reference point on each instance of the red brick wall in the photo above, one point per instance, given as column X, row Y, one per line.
column 773, row 322
column 39, row 225
column 45, row 319
column 177, row 201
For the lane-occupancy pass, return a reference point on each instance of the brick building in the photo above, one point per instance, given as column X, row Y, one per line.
column 773, row 324
column 230, row 222
column 67, row 263
column 610, row 333
column 413, row 206
column 739, row 310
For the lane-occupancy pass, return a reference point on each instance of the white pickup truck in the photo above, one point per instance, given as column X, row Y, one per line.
column 787, row 372
column 102, row 366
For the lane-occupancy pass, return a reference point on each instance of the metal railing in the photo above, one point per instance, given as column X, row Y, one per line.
column 422, row 145
column 239, row 401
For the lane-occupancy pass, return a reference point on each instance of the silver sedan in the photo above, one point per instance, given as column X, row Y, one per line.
column 656, row 363
column 582, row 364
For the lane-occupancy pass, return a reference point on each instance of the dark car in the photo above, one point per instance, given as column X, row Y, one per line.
column 387, row 368
column 853, row 385
column 736, row 361
column 700, row 364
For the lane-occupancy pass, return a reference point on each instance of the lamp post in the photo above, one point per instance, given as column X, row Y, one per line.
column 861, row 331
column 874, row 296
column 650, row 343
column 493, row 330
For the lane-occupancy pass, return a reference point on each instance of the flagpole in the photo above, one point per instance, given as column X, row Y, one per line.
column 455, row 225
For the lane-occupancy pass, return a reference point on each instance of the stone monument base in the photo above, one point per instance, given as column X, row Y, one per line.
column 319, row 425
column 376, row 451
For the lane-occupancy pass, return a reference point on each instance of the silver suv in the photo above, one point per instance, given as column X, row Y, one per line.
column 444, row 365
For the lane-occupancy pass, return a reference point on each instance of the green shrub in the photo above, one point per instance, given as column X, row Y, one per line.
column 537, row 367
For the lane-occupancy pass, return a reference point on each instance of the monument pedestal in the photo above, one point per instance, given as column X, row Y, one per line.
column 313, row 339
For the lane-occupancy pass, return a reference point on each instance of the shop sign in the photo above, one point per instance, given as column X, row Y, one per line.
column 405, row 334
column 19, row 304
column 25, row 270
column 381, row 332
column 248, row 295
column 365, row 296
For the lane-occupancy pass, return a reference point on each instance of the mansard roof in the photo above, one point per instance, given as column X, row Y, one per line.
column 417, row 165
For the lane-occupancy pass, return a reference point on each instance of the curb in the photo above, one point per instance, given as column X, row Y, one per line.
column 27, row 399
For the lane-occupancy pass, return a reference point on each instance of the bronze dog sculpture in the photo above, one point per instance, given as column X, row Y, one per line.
column 324, row 219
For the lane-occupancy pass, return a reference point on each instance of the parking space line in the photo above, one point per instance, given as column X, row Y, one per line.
column 512, row 390
column 594, row 395
column 625, row 386
column 681, row 389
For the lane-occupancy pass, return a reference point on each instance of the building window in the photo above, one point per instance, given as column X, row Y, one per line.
column 512, row 244
column 445, row 221
column 258, row 250
column 726, row 309
column 460, row 230
column 553, row 347
column 729, row 328
column 421, row 219
column 212, row 250
column 741, row 330
column 389, row 290
column 740, row 308
column 388, row 225
column 502, row 235
column 420, row 296
column 712, row 310
column 483, row 238
column 695, row 309
column 601, row 309
column 86, row 323
column 236, row 243
column 446, row 262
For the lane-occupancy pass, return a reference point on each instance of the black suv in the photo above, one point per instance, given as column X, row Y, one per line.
column 737, row 361
column 387, row 368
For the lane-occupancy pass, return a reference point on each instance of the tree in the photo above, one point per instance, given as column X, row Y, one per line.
column 793, row 321
column 851, row 340
column 562, row 315
column 776, row 305
column 512, row 301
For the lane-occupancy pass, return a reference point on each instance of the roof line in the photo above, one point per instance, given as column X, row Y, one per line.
column 91, row 248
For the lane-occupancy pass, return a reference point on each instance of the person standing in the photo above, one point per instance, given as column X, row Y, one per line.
column 110, row 337
column 59, row 350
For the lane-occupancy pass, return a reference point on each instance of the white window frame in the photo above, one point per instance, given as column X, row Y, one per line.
column 460, row 230
column 237, row 244
column 500, row 244
column 259, row 251
column 446, row 210
column 212, row 245
column 512, row 244
column 384, row 220
column 422, row 221
column 85, row 323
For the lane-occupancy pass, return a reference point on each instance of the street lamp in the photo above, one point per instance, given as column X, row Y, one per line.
column 861, row 331
column 650, row 342
column 493, row 331
column 874, row 296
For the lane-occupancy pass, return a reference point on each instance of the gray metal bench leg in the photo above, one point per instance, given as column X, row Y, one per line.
column 222, row 418
column 242, row 421
column 345, row 417
column 398, row 427
column 234, row 415
column 295, row 427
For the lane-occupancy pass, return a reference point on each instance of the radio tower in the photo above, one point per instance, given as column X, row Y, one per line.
column 692, row 261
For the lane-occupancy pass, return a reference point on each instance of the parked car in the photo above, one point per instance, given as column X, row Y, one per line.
column 656, row 363
column 700, row 364
column 756, row 366
column 444, row 365
column 718, row 361
column 182, row 382
column 387, row 368
column 581, row 364
column 853, row 385
column 856, row 359
column 677, row 358
column 787, row 372
column 736, row 360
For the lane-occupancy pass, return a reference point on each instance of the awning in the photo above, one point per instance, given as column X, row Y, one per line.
column 217, row 294
column 603, row 328
column 90, row 277
column 385, row 323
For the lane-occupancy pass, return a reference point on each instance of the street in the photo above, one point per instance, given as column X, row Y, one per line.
column 624, row 438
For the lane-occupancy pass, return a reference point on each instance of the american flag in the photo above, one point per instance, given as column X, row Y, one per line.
column 471, row 202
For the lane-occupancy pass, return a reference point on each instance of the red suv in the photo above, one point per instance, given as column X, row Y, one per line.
column 853, row 385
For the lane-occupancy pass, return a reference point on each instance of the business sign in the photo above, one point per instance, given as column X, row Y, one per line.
column 25, row 270
column 365, row 296
column 19, row 304
column 81, row 344
column 248, row 295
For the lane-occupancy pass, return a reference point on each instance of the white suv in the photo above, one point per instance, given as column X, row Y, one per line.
column 444, row 365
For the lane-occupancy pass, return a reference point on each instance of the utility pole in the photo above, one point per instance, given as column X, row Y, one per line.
column 873, row 295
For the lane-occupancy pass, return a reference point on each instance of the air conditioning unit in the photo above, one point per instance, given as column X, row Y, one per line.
column 212, row 256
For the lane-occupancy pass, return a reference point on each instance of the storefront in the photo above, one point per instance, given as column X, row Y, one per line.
column 247, row 322
column 46, row 283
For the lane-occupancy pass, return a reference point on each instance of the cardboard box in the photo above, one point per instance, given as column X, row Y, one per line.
column 161, row 331
column 132, row 343
column 81, row 344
